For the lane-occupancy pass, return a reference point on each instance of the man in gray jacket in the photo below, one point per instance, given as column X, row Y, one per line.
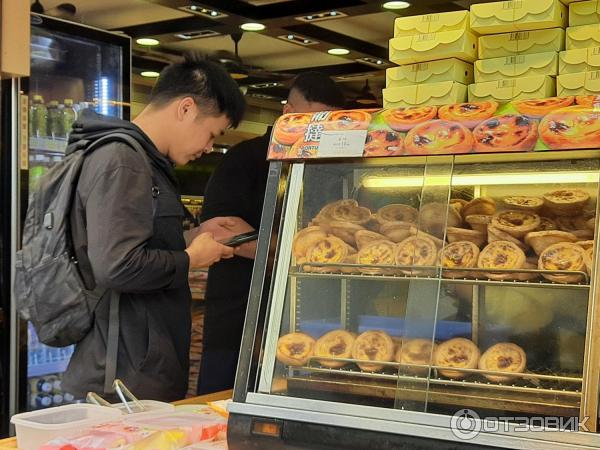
column 128, row 234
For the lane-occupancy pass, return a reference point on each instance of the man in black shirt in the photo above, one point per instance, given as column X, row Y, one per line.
column 236, row 190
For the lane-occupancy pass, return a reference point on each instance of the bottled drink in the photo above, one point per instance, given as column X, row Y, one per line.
column 57, row 400
column 44, row 386
column 54, row 124
column 69, row 116
column 43, row 400
column 38, row 117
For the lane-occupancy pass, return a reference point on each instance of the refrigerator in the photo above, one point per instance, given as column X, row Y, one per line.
column 73, row 67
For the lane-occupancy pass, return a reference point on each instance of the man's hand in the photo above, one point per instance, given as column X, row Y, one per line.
column 204, row 251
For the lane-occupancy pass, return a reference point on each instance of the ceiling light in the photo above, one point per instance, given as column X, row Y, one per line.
column 322, row 16
column 147, row 41
column 214, row 13
column 251, row 26
column 338, row 51
column 209, row 13
column 297, row 39
column 333, row 13
column 290, row 36
column 150, row 74
column 396, row 5
column 196, row 34
column 375, row 62
column 194, row 8
column 284, row 102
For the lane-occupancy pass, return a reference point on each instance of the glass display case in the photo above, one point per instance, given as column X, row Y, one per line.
column 443, row 301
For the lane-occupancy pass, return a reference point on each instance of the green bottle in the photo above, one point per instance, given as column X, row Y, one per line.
column 54, row 120
column 69, row 115
column 38, row 117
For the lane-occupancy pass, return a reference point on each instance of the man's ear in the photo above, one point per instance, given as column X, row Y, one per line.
column 287, row 108
column 186, row 106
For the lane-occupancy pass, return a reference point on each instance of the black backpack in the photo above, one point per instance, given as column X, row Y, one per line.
column 49, row 288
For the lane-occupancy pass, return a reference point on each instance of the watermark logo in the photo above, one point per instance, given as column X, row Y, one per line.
column 466, row 424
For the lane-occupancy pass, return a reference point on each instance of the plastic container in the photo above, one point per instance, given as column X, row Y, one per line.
column 394, row 326
column 38, row 427
column 150, row 406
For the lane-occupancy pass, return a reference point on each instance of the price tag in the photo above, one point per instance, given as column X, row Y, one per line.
column 336, row 144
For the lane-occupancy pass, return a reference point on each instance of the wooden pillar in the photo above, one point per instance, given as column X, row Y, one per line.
column 15, row 36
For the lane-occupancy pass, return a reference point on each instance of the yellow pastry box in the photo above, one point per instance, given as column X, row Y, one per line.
column 584, row 13
column 579, row 60
column 584, row 36
column 517, row 15
column 583, row 83
column 431, row 23
column 431, row 94
column 513, row 89
column 516, row 66
column 451, row 69
column 459, row 44
column 521, row 42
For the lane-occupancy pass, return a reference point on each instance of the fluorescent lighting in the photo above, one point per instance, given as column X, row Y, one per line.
column 150, row 74
column 338, row 51
column 147, row 41
column 396, row 5
column 492, row 179
column 251, row 26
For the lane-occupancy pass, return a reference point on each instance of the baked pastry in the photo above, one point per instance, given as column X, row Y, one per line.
column 501, row 255
column 403, row 119
column 439, row 243
column 571, row 127
column 325, row 215
column 295, row 349
column 541, row 240
column 418, row 352
column 566, row 202
column 330, row 250
column 291, row 127
column 583, row 234
column 434, row 217
column 416, row 251
column 383, row 143
column 346, row 231
column 438, row 137
column 503, row 357
column 376, row 253
column 563, row 256
column 571, row 223
column 495, row 234
column 396, row 212
column 588, row 100
column 479, row 222
column 479, row 206
column 351, row 214
column 454, row 234
column 461, row 254
column 373, row 346
column 516, row 223
column 305, row 239
column 590, row 224
column 585, row 244
column 354, row 119
column 349, row 259
column 469, row 114
column 532, row 204
column 458, row 204
column 537, row 108
column 366, row 237
column 507, row 133
column 335, row 344
column 398, row 231
column 546, row 224
column 589, row 260
column 528, row 276
column 457, row 353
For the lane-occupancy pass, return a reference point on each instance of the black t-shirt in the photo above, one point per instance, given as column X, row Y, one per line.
column 236, row 188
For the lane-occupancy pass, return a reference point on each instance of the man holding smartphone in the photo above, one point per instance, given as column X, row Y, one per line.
column 236, row 191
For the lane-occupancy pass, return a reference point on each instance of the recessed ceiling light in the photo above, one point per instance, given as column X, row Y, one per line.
column 150, row 74
column 214, row 13
column 338, row 51
column 396, row 5
column 251, row 26
column 147, row 41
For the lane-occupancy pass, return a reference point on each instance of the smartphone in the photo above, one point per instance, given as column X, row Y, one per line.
column 241, row 239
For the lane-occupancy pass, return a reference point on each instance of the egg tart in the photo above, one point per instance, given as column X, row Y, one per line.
column 335, row 344
column 295, row 349
column 457, row 353
column 503, row 357
column 372, row 346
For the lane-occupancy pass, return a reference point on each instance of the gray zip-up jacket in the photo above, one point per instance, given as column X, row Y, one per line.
column 128, row 249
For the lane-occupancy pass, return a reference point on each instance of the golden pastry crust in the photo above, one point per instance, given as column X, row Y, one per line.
column 373, row 346
column 403, row 119
column 590, row 224
column 330, row 250
column 396, row 212
column 527, row 276
column 352, row 214
column 398, row 231
column 325, row 215
column 589, row 260
column 416, row 251
column 503, row 357
column 346, row 231
column 566, row 202
column 583, row 234
column 479, row 222
column 494, row 234
column 563, row 256
column 538, row 108
column 305, row 239
column 501, row 255
column 461, row 254
column 546, row 224
column 458, row 204
column 335, row 344
column 418, row 352
column 516, row 223
column 438, row 137
column 434, row 217
column 295, row 349
column 541, row 240
column 571, row 128
column 458, row 353
column 454, row 234
column 570, row 223
column 479, row 206
column 526, row 203
column 506, row 133
column 366, row 237
column 469, row 114
column 585, row 244
column 376, row 253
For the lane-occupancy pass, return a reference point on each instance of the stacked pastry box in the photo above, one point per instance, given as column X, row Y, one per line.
column 435, row 53
column 518, row 49
column 579, row 65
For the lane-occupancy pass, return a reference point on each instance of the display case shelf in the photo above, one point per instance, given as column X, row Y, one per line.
column 48, row 145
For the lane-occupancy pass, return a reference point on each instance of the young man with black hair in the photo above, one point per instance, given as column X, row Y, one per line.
column 236, row 192
column 127, row 229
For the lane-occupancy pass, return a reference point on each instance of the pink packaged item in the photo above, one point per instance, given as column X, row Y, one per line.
column 113, row 435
